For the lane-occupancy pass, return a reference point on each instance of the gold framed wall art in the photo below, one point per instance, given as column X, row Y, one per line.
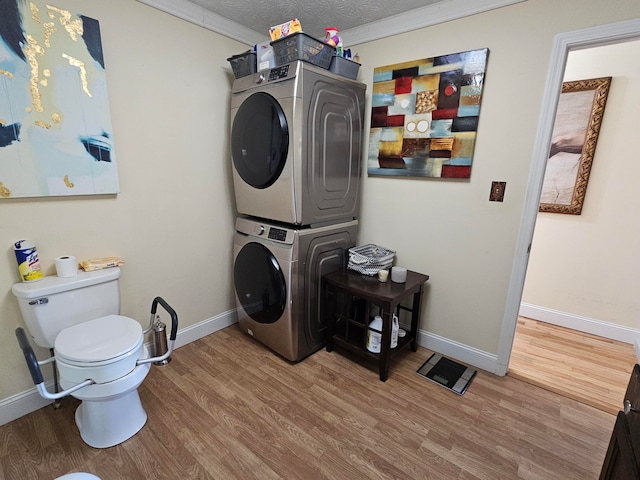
column 573, row 145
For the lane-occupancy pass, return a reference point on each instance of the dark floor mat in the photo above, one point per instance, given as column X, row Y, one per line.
column 447, row 373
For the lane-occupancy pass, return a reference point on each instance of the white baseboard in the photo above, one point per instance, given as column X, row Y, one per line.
column 458, row 351
column 206, row 327
column 22, row 403
column 582, row 324
column 30, row 400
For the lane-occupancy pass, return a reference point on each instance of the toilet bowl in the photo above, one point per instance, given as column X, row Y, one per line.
column 99, row 355
column 105, row 350
column 78, row 476
column 111, row 412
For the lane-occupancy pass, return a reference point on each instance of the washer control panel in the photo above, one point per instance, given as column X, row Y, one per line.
column 267, row 232
column 277, row 234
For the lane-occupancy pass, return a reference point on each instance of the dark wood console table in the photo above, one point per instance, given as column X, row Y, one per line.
column 622, row 461
column 348, row 298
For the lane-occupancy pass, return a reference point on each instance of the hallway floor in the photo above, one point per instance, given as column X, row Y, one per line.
column 587, row 368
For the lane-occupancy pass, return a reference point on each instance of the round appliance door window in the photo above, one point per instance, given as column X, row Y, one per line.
column 260, row 283
column 259, row 140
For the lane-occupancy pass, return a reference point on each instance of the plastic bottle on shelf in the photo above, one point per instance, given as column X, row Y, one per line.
column 332, row 37
column 374, row 338
column 395, row 328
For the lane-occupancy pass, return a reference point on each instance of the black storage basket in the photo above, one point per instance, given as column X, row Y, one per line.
column 243, row 64
column 300, row 46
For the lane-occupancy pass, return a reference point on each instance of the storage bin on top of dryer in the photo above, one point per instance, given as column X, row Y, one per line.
column 296, row 140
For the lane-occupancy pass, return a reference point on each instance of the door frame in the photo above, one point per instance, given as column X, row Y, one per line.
column 563, row 43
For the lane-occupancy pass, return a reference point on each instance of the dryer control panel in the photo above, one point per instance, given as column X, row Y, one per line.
column 265, row 77
column 278, row 73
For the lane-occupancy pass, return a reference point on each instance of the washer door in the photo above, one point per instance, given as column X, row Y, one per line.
column 260, row 284
column 259, row 140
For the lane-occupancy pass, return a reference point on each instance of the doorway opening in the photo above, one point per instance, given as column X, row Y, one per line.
column 563, row 45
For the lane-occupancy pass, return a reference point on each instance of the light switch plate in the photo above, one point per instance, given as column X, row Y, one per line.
column 497, row 191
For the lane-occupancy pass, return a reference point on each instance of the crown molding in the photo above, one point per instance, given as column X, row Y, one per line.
column 404, row 22
column 206, row 19
column 422, row 17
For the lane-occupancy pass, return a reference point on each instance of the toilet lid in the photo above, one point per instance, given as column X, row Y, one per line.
column 99, row 341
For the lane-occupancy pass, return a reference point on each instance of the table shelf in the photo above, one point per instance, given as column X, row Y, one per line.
column 349, row 297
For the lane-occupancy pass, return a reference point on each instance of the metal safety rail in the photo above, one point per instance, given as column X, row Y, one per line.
column 34, row 364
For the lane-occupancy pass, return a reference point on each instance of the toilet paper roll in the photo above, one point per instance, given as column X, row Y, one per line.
column 66, row 266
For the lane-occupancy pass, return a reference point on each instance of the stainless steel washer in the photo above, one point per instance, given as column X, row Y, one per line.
column 296, row 142
column 277, row 272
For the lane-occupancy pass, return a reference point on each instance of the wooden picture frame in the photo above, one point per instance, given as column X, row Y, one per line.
column 573, row 144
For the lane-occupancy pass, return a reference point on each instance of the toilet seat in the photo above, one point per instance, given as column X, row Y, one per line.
column 103, row 349
column 102, row 391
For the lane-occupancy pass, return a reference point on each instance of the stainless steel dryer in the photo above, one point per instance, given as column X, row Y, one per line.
column 296, row 142
column 277, row 272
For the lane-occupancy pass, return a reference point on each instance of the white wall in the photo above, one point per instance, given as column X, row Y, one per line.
column 586, row 264
column 169, row 93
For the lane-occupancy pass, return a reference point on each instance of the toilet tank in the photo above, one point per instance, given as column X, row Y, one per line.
column 54, row 303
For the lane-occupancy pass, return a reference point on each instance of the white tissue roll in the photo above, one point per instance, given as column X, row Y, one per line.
column 398, row 274
column 66, row 266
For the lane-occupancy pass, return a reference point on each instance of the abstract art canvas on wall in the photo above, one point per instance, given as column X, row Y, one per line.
column 55, row 127
column 573, row 145
column 424, row 116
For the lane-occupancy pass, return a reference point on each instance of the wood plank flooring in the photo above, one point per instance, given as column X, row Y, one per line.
column 228, row 408
column 590, row 369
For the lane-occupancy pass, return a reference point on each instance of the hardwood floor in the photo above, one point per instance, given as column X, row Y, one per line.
column 228, row 408
column 590, row 369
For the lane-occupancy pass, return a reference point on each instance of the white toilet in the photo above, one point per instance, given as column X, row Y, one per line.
column 78, row 476
column 100, row 355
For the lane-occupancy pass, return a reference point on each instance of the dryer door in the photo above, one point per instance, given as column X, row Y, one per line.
column 259, row 140
column 260, row 284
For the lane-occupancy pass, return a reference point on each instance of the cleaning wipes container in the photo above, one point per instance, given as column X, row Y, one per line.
column 28, row 262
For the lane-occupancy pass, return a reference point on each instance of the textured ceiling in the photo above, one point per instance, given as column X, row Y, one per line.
column 359, row 21
column 259, row 15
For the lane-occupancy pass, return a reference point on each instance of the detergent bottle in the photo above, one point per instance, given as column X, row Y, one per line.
column 374, row 335
column 395, row 327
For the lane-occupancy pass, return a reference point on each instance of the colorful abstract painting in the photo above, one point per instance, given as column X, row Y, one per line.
column 424, row 116
column 55, row 127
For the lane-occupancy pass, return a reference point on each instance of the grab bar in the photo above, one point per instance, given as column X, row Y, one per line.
column 36, row 374
column 172, row 336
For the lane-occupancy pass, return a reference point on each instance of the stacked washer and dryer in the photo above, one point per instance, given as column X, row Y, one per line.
column 296, row 141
